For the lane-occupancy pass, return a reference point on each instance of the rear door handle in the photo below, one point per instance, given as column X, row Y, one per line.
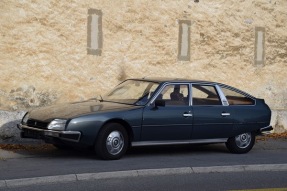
column 187, row 114
column 225, row 114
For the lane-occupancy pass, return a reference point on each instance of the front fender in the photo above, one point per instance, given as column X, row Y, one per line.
column 90, row 125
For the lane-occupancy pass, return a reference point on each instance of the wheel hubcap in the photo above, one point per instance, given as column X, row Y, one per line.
column 243, row 140
column 115, row 142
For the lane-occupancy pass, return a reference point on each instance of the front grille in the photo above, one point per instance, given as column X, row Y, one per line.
column 37, row 124
column 27, row 133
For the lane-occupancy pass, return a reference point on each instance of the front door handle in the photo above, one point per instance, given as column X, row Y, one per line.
column 187, row 114
column 225, row 114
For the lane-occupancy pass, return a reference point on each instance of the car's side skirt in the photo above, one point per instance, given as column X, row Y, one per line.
column 180, row 142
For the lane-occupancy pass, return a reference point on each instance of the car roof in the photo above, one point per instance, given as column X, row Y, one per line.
column 182, row 80
column 161, row 80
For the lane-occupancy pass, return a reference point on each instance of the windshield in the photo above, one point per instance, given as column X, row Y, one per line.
column 132, row 92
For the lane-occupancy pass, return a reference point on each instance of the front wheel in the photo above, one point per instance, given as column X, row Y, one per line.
column 112, row 142
column 242, row 143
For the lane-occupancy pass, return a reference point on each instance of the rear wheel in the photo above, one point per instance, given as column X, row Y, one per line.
column 242, row 143
column 112, row 142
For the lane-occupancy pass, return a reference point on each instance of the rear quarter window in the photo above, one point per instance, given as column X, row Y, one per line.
column 235, row 98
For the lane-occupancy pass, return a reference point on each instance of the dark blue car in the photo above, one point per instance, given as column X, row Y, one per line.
column 141, row 112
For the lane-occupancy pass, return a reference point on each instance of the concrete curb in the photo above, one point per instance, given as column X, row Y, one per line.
column 139, row 173
column 40, row 180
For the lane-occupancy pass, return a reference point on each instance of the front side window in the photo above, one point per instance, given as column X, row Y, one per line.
column 205, row 95
column 235, row 98
column 175, row 94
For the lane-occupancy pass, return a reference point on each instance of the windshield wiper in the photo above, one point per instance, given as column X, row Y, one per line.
column 112, row 101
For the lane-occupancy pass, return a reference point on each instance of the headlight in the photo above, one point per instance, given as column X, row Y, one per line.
column 57, row 124
column 25, row 118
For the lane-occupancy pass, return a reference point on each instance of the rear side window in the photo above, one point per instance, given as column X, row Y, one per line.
column 205, row 95
column 235, row 98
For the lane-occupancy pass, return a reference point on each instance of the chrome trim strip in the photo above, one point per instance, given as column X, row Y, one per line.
column 223, row 99
column 156, row 94
column 166, row 125
column 190, row 94
column 191, row 125
column 53, row 133
column 225, row 114
column 194, row 141
column 216, row 124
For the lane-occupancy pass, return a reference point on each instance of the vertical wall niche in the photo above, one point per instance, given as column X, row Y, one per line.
column 95, row 34
column 184, row 40
column 259, row 53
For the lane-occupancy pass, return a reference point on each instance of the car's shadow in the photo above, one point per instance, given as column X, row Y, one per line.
column 51, row 152
column 176, row 150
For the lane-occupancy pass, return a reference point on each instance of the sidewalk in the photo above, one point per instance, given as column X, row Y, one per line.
column 138, row 174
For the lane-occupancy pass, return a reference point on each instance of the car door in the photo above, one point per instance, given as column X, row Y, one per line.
column 172, row 121
column 245, row 112
column 212, row 117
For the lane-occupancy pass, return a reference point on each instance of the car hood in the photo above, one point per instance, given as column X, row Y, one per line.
column 71, row 110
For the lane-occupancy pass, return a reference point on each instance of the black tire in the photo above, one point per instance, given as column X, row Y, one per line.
column 242, row 143
column 117, row 145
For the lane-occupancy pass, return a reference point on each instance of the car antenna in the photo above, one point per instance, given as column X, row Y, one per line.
column 101, row 98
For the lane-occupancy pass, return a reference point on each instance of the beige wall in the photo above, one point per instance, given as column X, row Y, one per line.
column 43, row 47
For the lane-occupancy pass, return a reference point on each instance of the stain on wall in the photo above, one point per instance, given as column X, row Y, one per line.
column 26, row 97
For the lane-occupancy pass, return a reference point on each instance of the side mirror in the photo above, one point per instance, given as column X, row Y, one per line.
column 159, row 103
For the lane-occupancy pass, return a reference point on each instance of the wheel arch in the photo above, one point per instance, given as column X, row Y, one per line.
column 124, row 123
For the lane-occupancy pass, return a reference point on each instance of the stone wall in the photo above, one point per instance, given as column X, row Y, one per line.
column 44, row 60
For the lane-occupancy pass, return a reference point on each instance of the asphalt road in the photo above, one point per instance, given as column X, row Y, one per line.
column 51, row 162
column 205, row 181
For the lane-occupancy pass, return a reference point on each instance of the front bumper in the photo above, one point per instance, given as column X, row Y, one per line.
column 35, row 133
